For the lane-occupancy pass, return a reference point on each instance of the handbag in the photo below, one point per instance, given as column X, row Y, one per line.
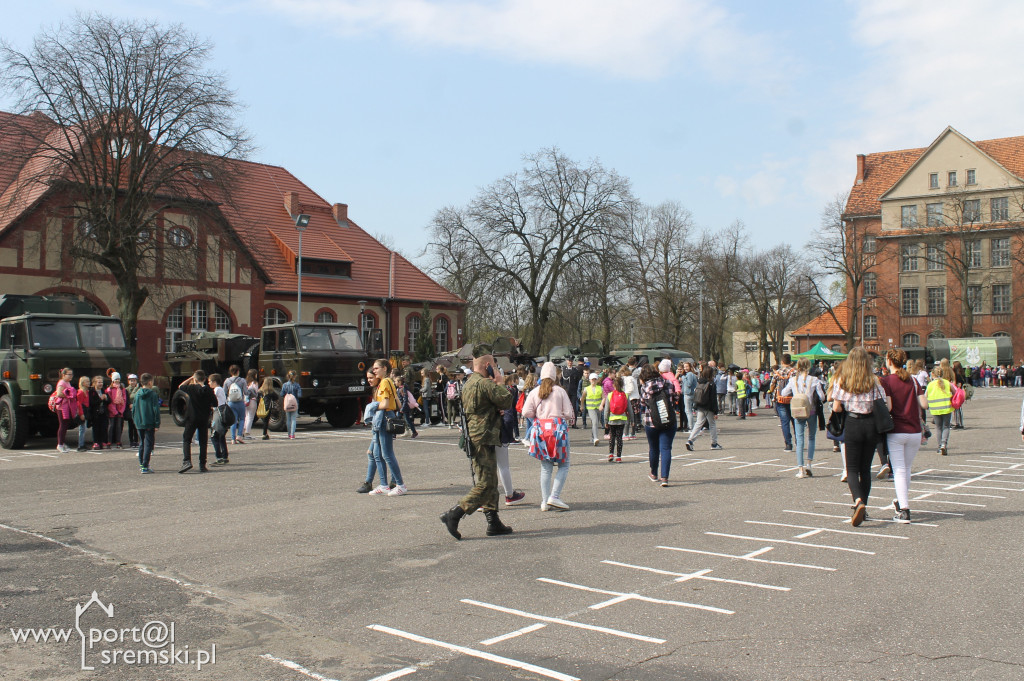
column 882, row 417
column 836, row 425
column 394, row 424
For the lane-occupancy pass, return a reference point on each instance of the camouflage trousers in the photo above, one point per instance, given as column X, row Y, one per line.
column 485, row 492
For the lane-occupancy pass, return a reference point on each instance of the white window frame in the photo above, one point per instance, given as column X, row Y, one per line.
column 175, row 330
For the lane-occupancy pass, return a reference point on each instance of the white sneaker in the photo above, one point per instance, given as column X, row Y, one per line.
column 543, row 505
column 555, row 502
column 843, row 479
column 398, row 491
column 597, row 443
column 800, row 473
column 60, row 449
column 383, row 489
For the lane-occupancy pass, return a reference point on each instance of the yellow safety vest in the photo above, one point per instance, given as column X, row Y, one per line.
column 741, row 389
column 939, row 394
column 593, row 394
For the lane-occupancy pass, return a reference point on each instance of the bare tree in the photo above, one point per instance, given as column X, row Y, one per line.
column 529, row 228
column 125, row 117
column 457, row 265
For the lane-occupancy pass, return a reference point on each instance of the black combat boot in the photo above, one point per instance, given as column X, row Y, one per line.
column 494, row 524
column 451, row 519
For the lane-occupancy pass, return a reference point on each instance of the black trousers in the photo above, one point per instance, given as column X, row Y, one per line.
column 861, row 439
column 191, row 429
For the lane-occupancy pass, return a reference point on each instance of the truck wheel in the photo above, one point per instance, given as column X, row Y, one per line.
column 13, row 424
column 277, row 420
column 343, row 414
column 179, row 406
column 251, row 358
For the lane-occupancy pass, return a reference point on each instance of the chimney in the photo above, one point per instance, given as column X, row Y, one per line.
column 340, row 212
column 291, row 203
column 860, row 168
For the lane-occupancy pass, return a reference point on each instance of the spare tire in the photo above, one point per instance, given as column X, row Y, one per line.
column 179, row 407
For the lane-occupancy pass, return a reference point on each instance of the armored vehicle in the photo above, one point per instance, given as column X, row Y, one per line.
column 328, row 361
column 651, row 352
column 39, row 336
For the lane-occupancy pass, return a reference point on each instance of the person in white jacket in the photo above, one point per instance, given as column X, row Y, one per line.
column 550, row 401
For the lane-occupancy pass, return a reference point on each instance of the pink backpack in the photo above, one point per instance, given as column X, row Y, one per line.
column 958, row 398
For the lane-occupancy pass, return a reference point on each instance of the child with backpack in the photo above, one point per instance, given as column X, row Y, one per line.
column 222, row 420
column 265, row 399
column 617, row 404
column 405, row 405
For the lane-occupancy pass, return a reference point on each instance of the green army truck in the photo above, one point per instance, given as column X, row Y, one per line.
column 328, row 360
column 39, row 336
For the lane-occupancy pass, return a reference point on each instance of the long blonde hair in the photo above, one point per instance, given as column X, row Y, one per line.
column 855, row 376
column 945, row 370
column 530, row 383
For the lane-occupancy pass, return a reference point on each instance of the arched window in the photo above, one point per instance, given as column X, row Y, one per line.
column 412, row 325
column 911, row 340
column 936, row 334
column 325, row 317
column 200, row 316
column 976, row 334
column 221, row 319
column 441, row 335
column 175, row 327
column 274, row 315
column 1000, row 334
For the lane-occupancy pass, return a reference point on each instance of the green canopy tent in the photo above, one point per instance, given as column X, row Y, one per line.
column 820, row 352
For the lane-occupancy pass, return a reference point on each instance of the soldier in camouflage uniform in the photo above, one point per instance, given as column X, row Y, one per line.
column 483, row 399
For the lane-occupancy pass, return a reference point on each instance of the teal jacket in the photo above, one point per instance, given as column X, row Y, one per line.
column 146, row 409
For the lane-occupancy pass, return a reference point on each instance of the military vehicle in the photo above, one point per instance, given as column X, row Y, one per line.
column 651, row 352
column 328, row 360
column 40, row 335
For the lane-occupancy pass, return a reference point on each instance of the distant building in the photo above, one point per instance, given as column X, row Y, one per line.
column 245, row 273
column 946, row 224
column 824, row 329
column 746, row 349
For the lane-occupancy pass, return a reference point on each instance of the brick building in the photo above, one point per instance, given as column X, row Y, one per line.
column 245, row 271
column 943, row 225
column 823, row 329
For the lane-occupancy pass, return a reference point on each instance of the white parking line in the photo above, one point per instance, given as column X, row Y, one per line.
column 847, row 518
column 397, row 674
column 888, row 507
column 513, row 634
column 753, row 463
column 694, row 462
column 490, row 657
column 700, row 574
column 975, row 479
column 568, row 623
column 295, row 666
column 621, row 596
column 748, row 557
column 791, row 543
column 824, row 529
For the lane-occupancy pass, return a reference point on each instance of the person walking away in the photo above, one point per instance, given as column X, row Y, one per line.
column 755, row 392
column 146, row 417
column 118, row 401
column 731, row 392
column 427, row 395
column 939, row 395
column 84, row 383
column 779, row 380
column 291, row 391
column 905, row 399
column 593, row 394
column 960, row 381
column 687, row 385
column 405, row 406
column 509, row 425
column 98, row 401
column 219, row 434
column 617, row 405
column 551, row 412
column 252, row 398
column 235, row 389
column 573, row 383
column 133, row 432
column 721, row 388
column 659, row 422
column 266, row 399
column 201, row 403
column 386, row 397
column 807, row 396
column 483, row 399
column 855, row 390
column 705, row 405
column 66, row 403
column 631, row 386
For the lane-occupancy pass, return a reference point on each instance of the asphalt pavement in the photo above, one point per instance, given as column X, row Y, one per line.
column 737, row 570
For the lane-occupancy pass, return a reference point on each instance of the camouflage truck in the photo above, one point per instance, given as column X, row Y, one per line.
column 328, row 361
column 39, row 336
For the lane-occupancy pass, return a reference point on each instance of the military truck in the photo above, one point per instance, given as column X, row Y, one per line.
column 328, row 360
column 40, row 335
column 651, row 352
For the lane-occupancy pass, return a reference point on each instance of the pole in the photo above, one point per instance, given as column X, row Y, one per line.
column 298, row 314
column 863, row 304
column 701, row 324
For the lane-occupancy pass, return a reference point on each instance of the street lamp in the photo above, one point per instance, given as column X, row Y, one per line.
column 301, row 222
column 863, row 304
column 362, row 327
column 701, row 323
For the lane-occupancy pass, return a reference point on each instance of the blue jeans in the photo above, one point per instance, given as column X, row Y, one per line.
column 238, row 427
column 785, row 419
column 549, row 490
column 805, row 430
column 376, row 463
column 659, row 444
column 688, row 408
column 290, row 418
column 426, row 411
column 386, row 443
column 407, row 415
column 147, row 437
column 81, row 435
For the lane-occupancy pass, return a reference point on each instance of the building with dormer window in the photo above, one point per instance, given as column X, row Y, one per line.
column 945, row 226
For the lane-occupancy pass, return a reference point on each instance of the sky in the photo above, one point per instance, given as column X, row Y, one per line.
column 749, row 111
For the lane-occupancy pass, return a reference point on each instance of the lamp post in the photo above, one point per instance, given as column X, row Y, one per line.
column 362, row 328
column 301, row 222
column 701, row 322
column 863, row 303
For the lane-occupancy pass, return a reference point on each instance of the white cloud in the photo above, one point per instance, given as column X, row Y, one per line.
column 632, row 40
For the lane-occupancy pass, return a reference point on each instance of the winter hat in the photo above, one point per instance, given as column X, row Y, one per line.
column 665, row 365
column 549, row 371
column 115, row 376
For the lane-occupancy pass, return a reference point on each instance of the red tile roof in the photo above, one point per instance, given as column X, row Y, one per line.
column 258, row 217
column 884, row 169
column 824, row 324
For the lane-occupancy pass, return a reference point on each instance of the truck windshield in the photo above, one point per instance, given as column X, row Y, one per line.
column 327, row 338
column 50, row 334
